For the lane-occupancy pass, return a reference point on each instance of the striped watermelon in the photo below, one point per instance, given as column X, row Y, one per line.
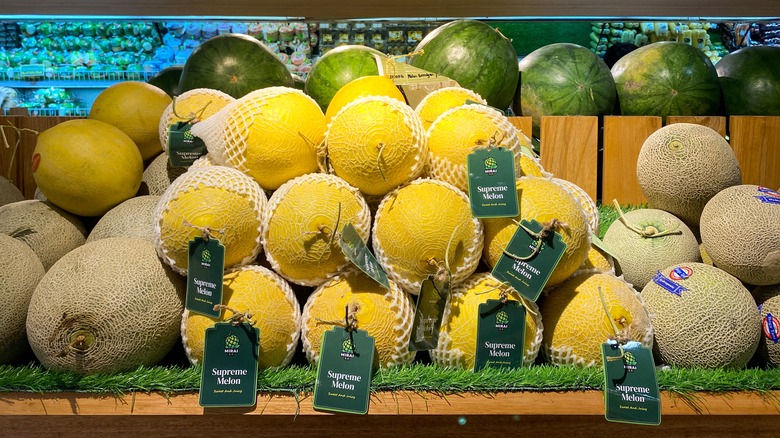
column 337, row 67
column 750, row 79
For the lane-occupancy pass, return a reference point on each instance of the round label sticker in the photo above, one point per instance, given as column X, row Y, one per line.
column 680, row 273
column 771, row 328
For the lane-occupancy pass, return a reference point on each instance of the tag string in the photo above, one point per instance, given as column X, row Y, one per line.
column 350, row 318
column 237, row 317
column 492, row 141
column 505, row 289
column 194, row 117
column 547, row 227
column 649, row 231
column 207, row 232
column 16, row 143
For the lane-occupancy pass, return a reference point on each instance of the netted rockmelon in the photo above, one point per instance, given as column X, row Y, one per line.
column 387, row 315
column 9, row 192
column 272, row 305
column 302, row 225
column 159, row 175
column 132, row 218
column 576, row 324
column 682, row 165
column 50, row 231
column 543, row 200
column 191, row 106
column 227, row 202
column 20, row 272
column 271, row 134
column 588, row 204
column 426, row 228
column 647, row 240
column 107, row 306
column 768, row 300
column 741, row 230
column 376, row 143
column 711, row 323
column 442, row 100
column 458, row 332
column 599, row 260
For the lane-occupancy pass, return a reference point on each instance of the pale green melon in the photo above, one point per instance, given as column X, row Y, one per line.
column 9, row 192
column 158, row 175
column 768, row 300
column 131, row 218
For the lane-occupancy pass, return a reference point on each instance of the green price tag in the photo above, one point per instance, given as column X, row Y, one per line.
column 183, row 147
column 204, row 276
column 500, row 335
column 528, row 273
column 631, row 386
column 492, row 191
column 427, row 318
column 344, row 371
column 358, row 253
column 229, row 376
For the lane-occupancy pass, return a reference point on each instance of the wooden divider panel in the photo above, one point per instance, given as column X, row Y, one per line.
column 756, row 143
column 569, row 149
column 523, row 124
column 623, row 139
column 718, row 123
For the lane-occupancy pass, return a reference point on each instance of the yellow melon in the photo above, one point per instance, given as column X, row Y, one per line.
column 442, row 100
column 362, row 87
column 158, row 175
column 9, row 192
column 191, row 106
column 132, row 218
column 705, row 256
column 599, row 260
column 768, row 300
column 588, row 204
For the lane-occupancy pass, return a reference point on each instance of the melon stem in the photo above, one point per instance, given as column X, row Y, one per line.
column 619, row 336
column 15, row 148
column 80, row 341
column 538, row 237
column 193, row 117
column 648, row 231
column 237, row 317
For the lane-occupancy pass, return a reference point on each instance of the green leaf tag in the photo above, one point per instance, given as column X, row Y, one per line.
column 529, row 276
column 492, row 191
column 427, row 318
column 204, row 276
column 344, row 371
column 598, row 243
column 500, row 335
column 631, row 386
column 229, row 376
column 183, row 147
column 358, row 253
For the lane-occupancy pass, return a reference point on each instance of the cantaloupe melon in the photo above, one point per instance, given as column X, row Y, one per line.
column 387, row 315
column 132, row 218
column 50, row 231
column 20, row 272
column 191, row 106
column 442, row 100
column 9, row 192
column 271, row 302
column 768, row 300
column 576, row 324
column 107, row 306
column 741, row 230
column 647, row 240
column 712, row 323
column 458, row 333
column 682, row 165
column 158, row 175
column 302, row 225
column 425, row 228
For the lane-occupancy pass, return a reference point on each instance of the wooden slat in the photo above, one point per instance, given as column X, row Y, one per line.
column 569, row 149
column 756, row 143
column 524, row 124
column 718, row 123
column 623, row 139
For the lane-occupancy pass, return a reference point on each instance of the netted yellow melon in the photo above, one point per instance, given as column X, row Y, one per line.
column 530, row 165
column 273, row 307
column 50, row 231
column 108, row 306
column 457, row 132
column 682, row 165
column 426, row 228
column 387, row 315
column 458, row 332
column 299, row 223
column 9, row 192
column 588, row 204
column 768, row 300
column 373, row 85
column 271, row 134
column 442, row 100
column 191, row 106
column 576, row 324
column 158, row 175
column 543, row 200
column 647, row 240
column 376, row 143
column 132, row 218
column 221, row 198
column 599, row 260
column 20, row 272
column 711, row 323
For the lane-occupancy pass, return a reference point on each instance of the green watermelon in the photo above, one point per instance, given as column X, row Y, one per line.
column 235, row 64
column 167, row 80
column 563, row 79
column 667, row 78
column 750, row 79
column 475, row 55
column 337, row 67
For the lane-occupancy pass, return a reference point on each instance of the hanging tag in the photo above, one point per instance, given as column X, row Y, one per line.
column 358, row 253
column 183, row 147
column 427, row 318
column 204, row 276
column 344, row 371
column 528, row 277
column 229, row 376
column 500, row 335
column 598, row 243
column 492, row 191
column 631, row 386
column 414, row 82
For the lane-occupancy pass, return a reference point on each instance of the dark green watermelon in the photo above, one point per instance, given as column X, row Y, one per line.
column 563, row 79
column 167, row 80
column 337, row 67
column 474, row 54
column 667, row 78
column 235, row 64
column 750, row 79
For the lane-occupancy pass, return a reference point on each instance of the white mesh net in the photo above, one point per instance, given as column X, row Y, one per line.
column 588, row 205
column 213, row 101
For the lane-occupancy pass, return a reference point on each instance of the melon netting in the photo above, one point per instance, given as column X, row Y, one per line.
column 436, row 96
column 216, row 101
column 588, row 205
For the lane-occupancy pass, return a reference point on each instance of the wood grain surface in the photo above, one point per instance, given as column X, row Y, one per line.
column 756, row 143
column 718, row 123
column 623, row 139
column 569, row 149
